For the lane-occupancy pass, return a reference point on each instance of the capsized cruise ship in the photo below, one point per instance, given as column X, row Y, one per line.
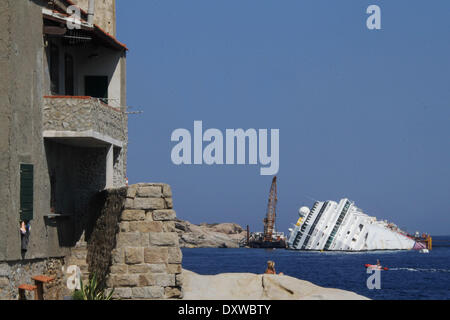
column 344, row 227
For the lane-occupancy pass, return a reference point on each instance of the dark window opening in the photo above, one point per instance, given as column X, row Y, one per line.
column 26, row 204
column 68, row 71
column 96, row 87
column 52, row 193
column 26, row 192
column 54, row 69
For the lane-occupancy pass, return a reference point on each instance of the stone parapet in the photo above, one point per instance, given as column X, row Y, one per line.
column 79, row 114
column 146, row 261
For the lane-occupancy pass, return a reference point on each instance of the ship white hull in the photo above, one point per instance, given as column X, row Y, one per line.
column 344, row 227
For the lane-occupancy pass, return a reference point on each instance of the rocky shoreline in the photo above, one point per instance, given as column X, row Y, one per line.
column 249, row 286
column 217, row 235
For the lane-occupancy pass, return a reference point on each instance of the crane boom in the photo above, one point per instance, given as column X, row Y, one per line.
column 269, row 221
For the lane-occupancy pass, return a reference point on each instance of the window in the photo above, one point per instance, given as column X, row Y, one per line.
column 54, row 69
column 26, row 192
column 68, row 72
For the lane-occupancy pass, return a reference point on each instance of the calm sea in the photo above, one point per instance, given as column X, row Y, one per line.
column 412, row 275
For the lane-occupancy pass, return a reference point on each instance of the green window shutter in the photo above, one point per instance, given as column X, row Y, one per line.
column 26, row 192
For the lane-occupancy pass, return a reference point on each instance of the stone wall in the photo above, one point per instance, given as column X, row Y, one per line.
column 103, row 227
column 147, row 259
column 13, row 274
column 132, row 243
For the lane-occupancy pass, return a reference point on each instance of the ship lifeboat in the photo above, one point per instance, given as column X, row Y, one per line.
column 376, row 267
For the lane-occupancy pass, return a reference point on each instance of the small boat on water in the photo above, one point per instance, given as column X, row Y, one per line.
column 375, row 267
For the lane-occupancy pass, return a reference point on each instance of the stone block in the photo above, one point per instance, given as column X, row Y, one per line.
column 131, row 191
column 172, row 293
column 149, row 215
column 164, row 215
column 129, row 203
column 122, row 293
column 167, row 191
column 179, row 280
column 163, row 239
column 169, row 203
column 128, row 239
column 169, row 226
column 150, row 292
column 156, row 255
column 119, row 268
column 174, row 268
column 124, row 226
column 149, row 192
column 139, row 268
column 125, row 280
column 134, row 255
column 149, row 203
column 133, row 215
column 146, row 226
column 144, row 240
column 157, row 267
column 147, row 279
column 175, row 255
column 118, row 255
column 164, row 279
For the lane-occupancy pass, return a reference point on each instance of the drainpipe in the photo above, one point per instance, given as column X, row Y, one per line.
column 91, row 12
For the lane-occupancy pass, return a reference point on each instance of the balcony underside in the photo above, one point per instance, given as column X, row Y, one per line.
column 88, row 138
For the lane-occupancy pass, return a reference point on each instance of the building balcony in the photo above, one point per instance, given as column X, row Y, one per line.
column 84, row 121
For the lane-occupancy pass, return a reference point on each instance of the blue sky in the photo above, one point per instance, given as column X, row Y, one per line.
column 362, row 114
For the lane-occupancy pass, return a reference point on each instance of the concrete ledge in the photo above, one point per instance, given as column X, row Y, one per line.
column 88, row 138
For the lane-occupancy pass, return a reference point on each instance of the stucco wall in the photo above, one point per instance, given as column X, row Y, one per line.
column 21, row 141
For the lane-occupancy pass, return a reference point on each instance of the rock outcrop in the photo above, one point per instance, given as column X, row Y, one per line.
column 249, row 286
column 222, row 235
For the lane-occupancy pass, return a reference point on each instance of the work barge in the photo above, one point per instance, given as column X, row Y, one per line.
column 270, row 238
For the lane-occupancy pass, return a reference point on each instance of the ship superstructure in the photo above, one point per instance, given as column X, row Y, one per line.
column 343, row 226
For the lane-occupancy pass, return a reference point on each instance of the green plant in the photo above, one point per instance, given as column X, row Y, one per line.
column 92, row 291
column 77, row 295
